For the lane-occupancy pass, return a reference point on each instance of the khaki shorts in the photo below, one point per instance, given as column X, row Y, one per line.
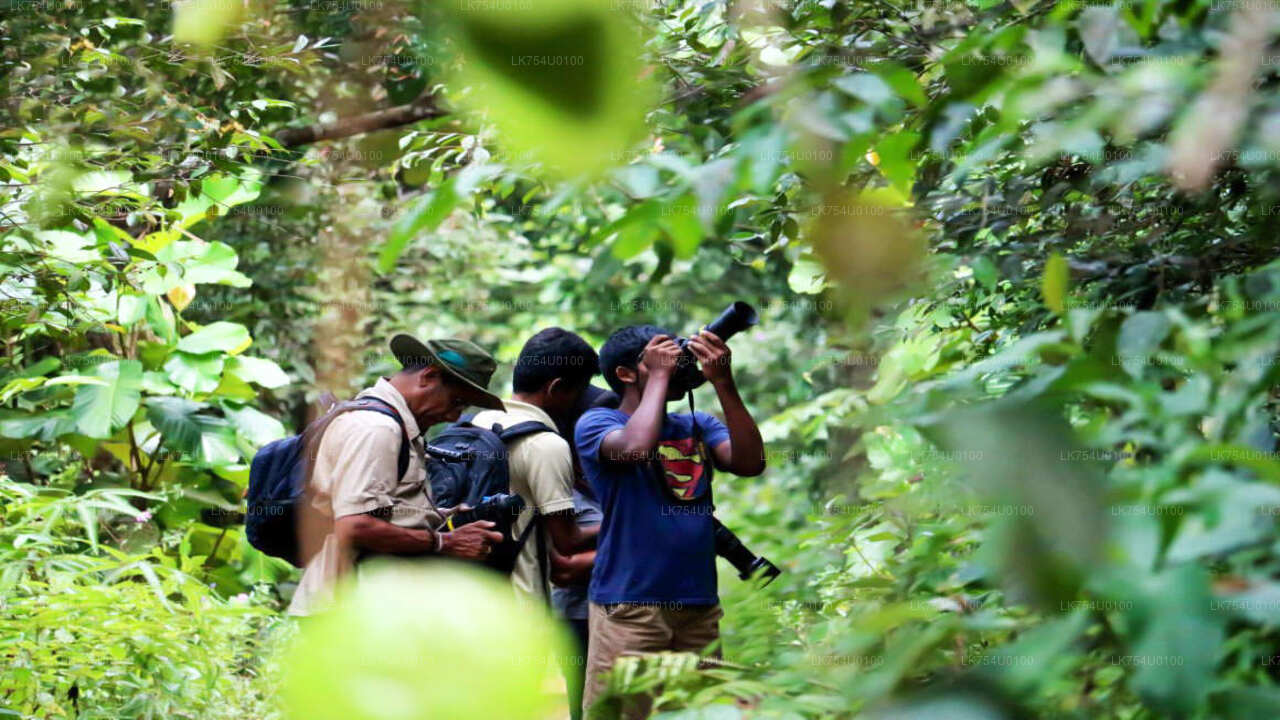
column 635, row 628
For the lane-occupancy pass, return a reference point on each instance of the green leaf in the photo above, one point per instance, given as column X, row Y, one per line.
column 195, row 373
column 426, row 213
column 1139, row 337
column 683, row 225
column 177, row 422
column 69, row 247
column 258, row 370
column 161, row 321
column 1179, row 639
column 1053, row 285
column 256, row 427
column 870, row 89
column 132, row 308
column 563, row 82
column 636, row 230
column 218, row 442
column 220, row 336
column 1099, row 29
column 101, row 409
column 896, row 160
column 200, row 262
column 221, row 192
column 807, row 276
column 903, row 82
column 47, row 425
column 20, row 385
column 204, row 22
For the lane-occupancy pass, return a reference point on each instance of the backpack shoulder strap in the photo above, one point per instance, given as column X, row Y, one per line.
column 519, row 430
column 382, row 407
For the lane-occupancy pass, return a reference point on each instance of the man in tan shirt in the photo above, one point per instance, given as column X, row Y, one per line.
column 357, row 502
column 553, row 370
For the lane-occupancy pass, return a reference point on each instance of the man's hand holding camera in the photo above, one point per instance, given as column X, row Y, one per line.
column 661, row 356
column 473, row 541
column 713, row 355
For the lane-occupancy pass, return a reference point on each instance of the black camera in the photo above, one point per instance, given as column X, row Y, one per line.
column 737, row 317
column 501, row 509
column 748, row 564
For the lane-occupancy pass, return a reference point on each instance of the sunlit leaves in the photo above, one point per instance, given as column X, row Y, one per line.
column 221, row 336
column 1054, row 283
column 204, row 22
column 258, row 370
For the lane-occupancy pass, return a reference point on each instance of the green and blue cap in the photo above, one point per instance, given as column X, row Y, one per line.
column 464, row 361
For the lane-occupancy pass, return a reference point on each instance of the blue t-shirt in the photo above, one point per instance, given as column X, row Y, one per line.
column 653, row 548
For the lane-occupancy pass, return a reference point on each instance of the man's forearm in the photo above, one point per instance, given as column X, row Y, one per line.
column 574, row 569
column 567, row 537
column 640, row 435
column 746, row 446
column 365, row 532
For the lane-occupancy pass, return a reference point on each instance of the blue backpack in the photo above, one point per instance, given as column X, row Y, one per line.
column 467, row 463
column 279, row 474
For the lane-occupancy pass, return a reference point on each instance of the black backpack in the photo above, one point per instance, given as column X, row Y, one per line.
column 468, row 464
column 279, row 474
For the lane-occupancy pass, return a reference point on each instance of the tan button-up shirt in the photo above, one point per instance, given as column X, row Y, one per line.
column 355, row 473
column 541, row 471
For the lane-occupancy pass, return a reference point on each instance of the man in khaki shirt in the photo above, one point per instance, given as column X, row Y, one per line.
column 553, row 370
column 357, row 503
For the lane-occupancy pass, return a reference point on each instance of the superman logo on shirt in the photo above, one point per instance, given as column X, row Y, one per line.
column 682, row 466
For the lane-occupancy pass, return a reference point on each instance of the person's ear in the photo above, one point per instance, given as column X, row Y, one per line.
column 428, row 375
column 627, row 375
column 553, row 387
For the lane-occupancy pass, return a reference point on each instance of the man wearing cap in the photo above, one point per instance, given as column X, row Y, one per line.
column 360, row 504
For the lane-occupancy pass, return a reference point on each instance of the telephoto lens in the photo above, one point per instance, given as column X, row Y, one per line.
column 737, row 317
column 747, row 563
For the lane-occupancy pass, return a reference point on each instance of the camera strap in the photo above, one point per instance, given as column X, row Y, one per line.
column 703, row 451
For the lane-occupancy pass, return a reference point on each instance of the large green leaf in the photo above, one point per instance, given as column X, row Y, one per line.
column 196, row 373
column 220, row 336
column 100, row 409
column 258, row 370
column 47, row 426
column 563, row 80
column 254, row 426
column 177, row 422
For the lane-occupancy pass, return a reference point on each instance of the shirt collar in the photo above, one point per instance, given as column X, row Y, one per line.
column 384, row 390
column 515, row 406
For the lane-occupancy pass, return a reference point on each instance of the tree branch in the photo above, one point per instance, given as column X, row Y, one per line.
column 420, row 109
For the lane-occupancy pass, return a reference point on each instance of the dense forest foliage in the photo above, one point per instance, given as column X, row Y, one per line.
column 1016, row 364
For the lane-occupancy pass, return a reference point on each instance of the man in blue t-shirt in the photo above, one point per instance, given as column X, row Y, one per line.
column 654, row 583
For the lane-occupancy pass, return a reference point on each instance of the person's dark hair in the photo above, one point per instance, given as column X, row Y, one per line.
column 554, row 353
column 415, row 365
column 623, row 348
